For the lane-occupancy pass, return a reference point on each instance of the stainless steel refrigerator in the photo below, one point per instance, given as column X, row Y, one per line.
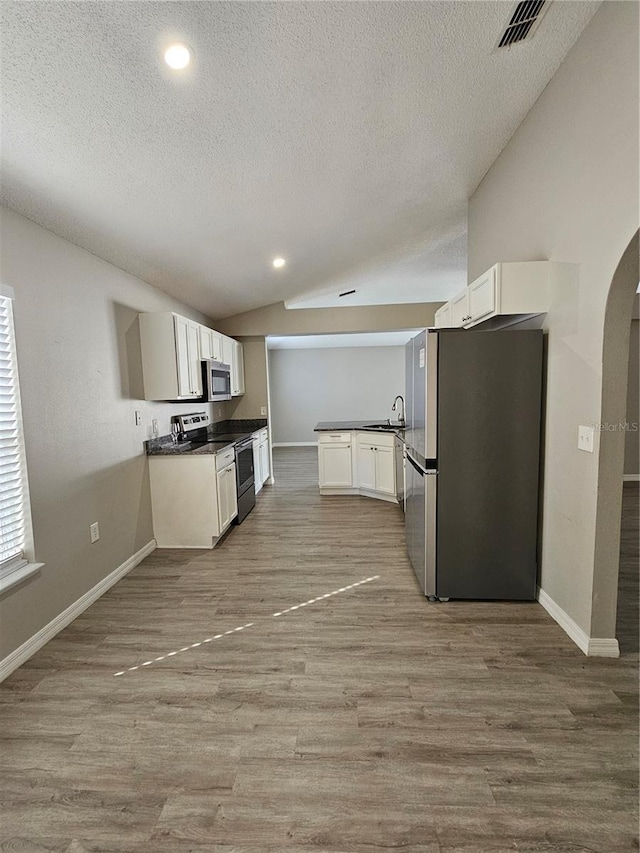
column 474, row 401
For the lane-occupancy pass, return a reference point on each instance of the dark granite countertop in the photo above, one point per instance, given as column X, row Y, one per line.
column 331, row 426
column 220, row 437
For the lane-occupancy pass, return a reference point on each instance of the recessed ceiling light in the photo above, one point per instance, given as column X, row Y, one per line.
column 279, row 262
column 177, row 56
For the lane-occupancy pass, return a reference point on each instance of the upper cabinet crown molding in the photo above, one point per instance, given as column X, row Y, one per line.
column 506, row 290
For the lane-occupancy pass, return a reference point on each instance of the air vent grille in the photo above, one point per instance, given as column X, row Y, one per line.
column 523, row 22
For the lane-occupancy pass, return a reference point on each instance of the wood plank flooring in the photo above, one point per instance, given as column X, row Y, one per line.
column 367, row 720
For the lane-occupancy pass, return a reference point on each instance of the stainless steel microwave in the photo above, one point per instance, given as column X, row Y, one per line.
column 216, row 381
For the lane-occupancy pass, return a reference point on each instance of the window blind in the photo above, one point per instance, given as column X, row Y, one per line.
column 12, row 517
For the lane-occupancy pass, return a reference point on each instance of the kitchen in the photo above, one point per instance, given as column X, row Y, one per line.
column 374, row 718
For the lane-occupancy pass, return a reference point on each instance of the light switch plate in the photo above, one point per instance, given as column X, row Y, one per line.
column 263, row 411
column 586, row 436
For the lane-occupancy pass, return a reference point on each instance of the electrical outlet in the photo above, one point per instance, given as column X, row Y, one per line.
column 154, row 426
column 263, row 411
column 586, row 438
column 94, row 532
column 138, row 418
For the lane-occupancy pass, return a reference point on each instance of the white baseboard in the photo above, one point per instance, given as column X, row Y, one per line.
column 31, row 646
column 592, row 646
column 296, row 444
column 603, row 647
column 631, row 478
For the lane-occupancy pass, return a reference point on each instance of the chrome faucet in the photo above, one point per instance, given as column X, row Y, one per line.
column 393, row 408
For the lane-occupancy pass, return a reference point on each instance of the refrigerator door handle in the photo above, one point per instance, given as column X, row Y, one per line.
column 419, row 468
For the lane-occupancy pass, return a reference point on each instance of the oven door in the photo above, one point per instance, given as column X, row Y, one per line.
column 216, row 380
column 244, row 466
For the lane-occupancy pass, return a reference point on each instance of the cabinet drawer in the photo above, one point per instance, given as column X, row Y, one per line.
column 333, row 437
column 376, row 439
column 224, row 458
column 263, row 435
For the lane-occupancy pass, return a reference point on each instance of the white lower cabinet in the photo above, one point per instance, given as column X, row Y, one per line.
column 335, row 466
column 357, row 463
column 376, row 464
column 193, row 498
column 265, row 467
column 261, row 464
column 227, row 496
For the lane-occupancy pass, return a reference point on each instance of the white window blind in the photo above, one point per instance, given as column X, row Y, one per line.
column 12, row 471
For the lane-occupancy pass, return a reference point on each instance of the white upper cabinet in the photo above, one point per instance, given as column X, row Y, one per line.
column 507, row 290
column 483, row 296
column 237, row 370
column 460, row 308
column 442, row 318
column 210, row 344
column 233, row 356
column 172, row 349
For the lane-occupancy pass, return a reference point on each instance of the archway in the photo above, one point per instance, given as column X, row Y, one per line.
column 615, row 360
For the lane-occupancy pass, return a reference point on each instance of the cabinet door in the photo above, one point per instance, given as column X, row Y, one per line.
column 237, row 373
column 193, row 347
column 385, row 471
column 257, row 472
column 482, row 295
column 181, row 326
column 210, row 344
column 264, row 462
column 460, row 309
column 227, row 353
column 223, row 499
column 205, row 342
column 335, row 465
column 232, row 491
column 442, row 319
column 227, row 496
column 366, row 467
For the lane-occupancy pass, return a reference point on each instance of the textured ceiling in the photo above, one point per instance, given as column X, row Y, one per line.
column 346, row 137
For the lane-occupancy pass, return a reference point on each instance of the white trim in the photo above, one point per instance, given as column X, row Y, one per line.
column 31, row 646
column 603, row 647
column 7, row 291
column 631, row 478
column 591, row 646
column 11, row 578
column 296, row 444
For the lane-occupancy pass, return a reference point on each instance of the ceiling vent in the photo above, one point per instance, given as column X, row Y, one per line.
column 523, row 22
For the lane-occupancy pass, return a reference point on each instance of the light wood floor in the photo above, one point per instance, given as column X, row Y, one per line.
column 369, row 720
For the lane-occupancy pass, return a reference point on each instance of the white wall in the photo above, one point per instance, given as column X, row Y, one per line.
column 80, row 376
column 311, row 385
column 566, row 188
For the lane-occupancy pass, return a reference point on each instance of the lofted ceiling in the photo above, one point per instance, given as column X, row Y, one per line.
column 344, row 136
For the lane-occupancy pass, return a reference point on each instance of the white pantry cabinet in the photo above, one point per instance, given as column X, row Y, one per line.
column 191, row 503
